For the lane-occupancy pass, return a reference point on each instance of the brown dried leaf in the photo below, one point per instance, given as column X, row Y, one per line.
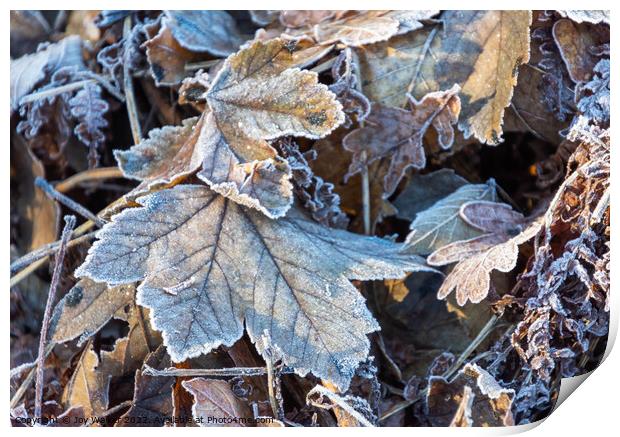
column 86, row 308
column 575, row 42
column 152, row 399
column 356, row 31
column 215, row 404
column 479, row 50
column 398, row 134
column 257, row 96
column 208, row 264
column 493, row 217
column 296, row 19
column 166, row 57
column 88, row 387
column 490, row 403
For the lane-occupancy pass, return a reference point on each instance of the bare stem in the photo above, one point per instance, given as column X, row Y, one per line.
column 69, row 203
column 51, row 297
column 216, row 373
column 130, row 99
column 88, row 175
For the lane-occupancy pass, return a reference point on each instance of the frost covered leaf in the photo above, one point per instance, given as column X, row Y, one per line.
column 257, row 96
column 87, row 387
column 398, row 134
column 167, row 154
column 422, row 191
column 302, row 18
column 479, row 50
column 214, row 32
column 208, row 265
column 595, row 104
column 152, row 399
column 587, row 16
column 86, row 308
column 361, row 28
column 441, row 224
column 490, row 403
column 28, row 71
column 89, row 109
column 213, row 398
column 496, row 249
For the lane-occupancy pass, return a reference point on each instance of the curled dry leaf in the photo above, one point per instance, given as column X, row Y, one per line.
column 479, row 50
column 489, row 404
column 398, row 134
column 257, row 96
column 496, row 249
column 441, row 224
column 208, row 265
column 215, row 404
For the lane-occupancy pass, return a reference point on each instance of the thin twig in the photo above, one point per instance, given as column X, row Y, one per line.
column 69, row 203
column 215, row 373
column 51, row 297
column 46, row 250
column 130, row 99
column 366, row 198
column 55, row 91
column 88, row 175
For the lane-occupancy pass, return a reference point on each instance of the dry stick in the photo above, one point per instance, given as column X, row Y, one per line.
column 66, row 233
column 324, row 66
column 130, row 99
column 190, row 66
column 92, row 78
column 216, row 373
column 87, row 176
column 21, row 391
column 484, row 332
column 69, row 203
column 46, row 250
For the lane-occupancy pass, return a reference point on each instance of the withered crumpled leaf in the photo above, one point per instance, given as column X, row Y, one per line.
column 399, row 134
column 257, row 96
column 490, row 404
column 214, row 398
column 28, row 71
column 86, row 308
column 208, row 264
column 479, row 50
column 441, row 224
column 214, row 32
column 496, row 249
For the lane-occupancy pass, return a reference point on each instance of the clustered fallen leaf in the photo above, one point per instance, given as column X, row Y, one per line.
column 307, row 218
